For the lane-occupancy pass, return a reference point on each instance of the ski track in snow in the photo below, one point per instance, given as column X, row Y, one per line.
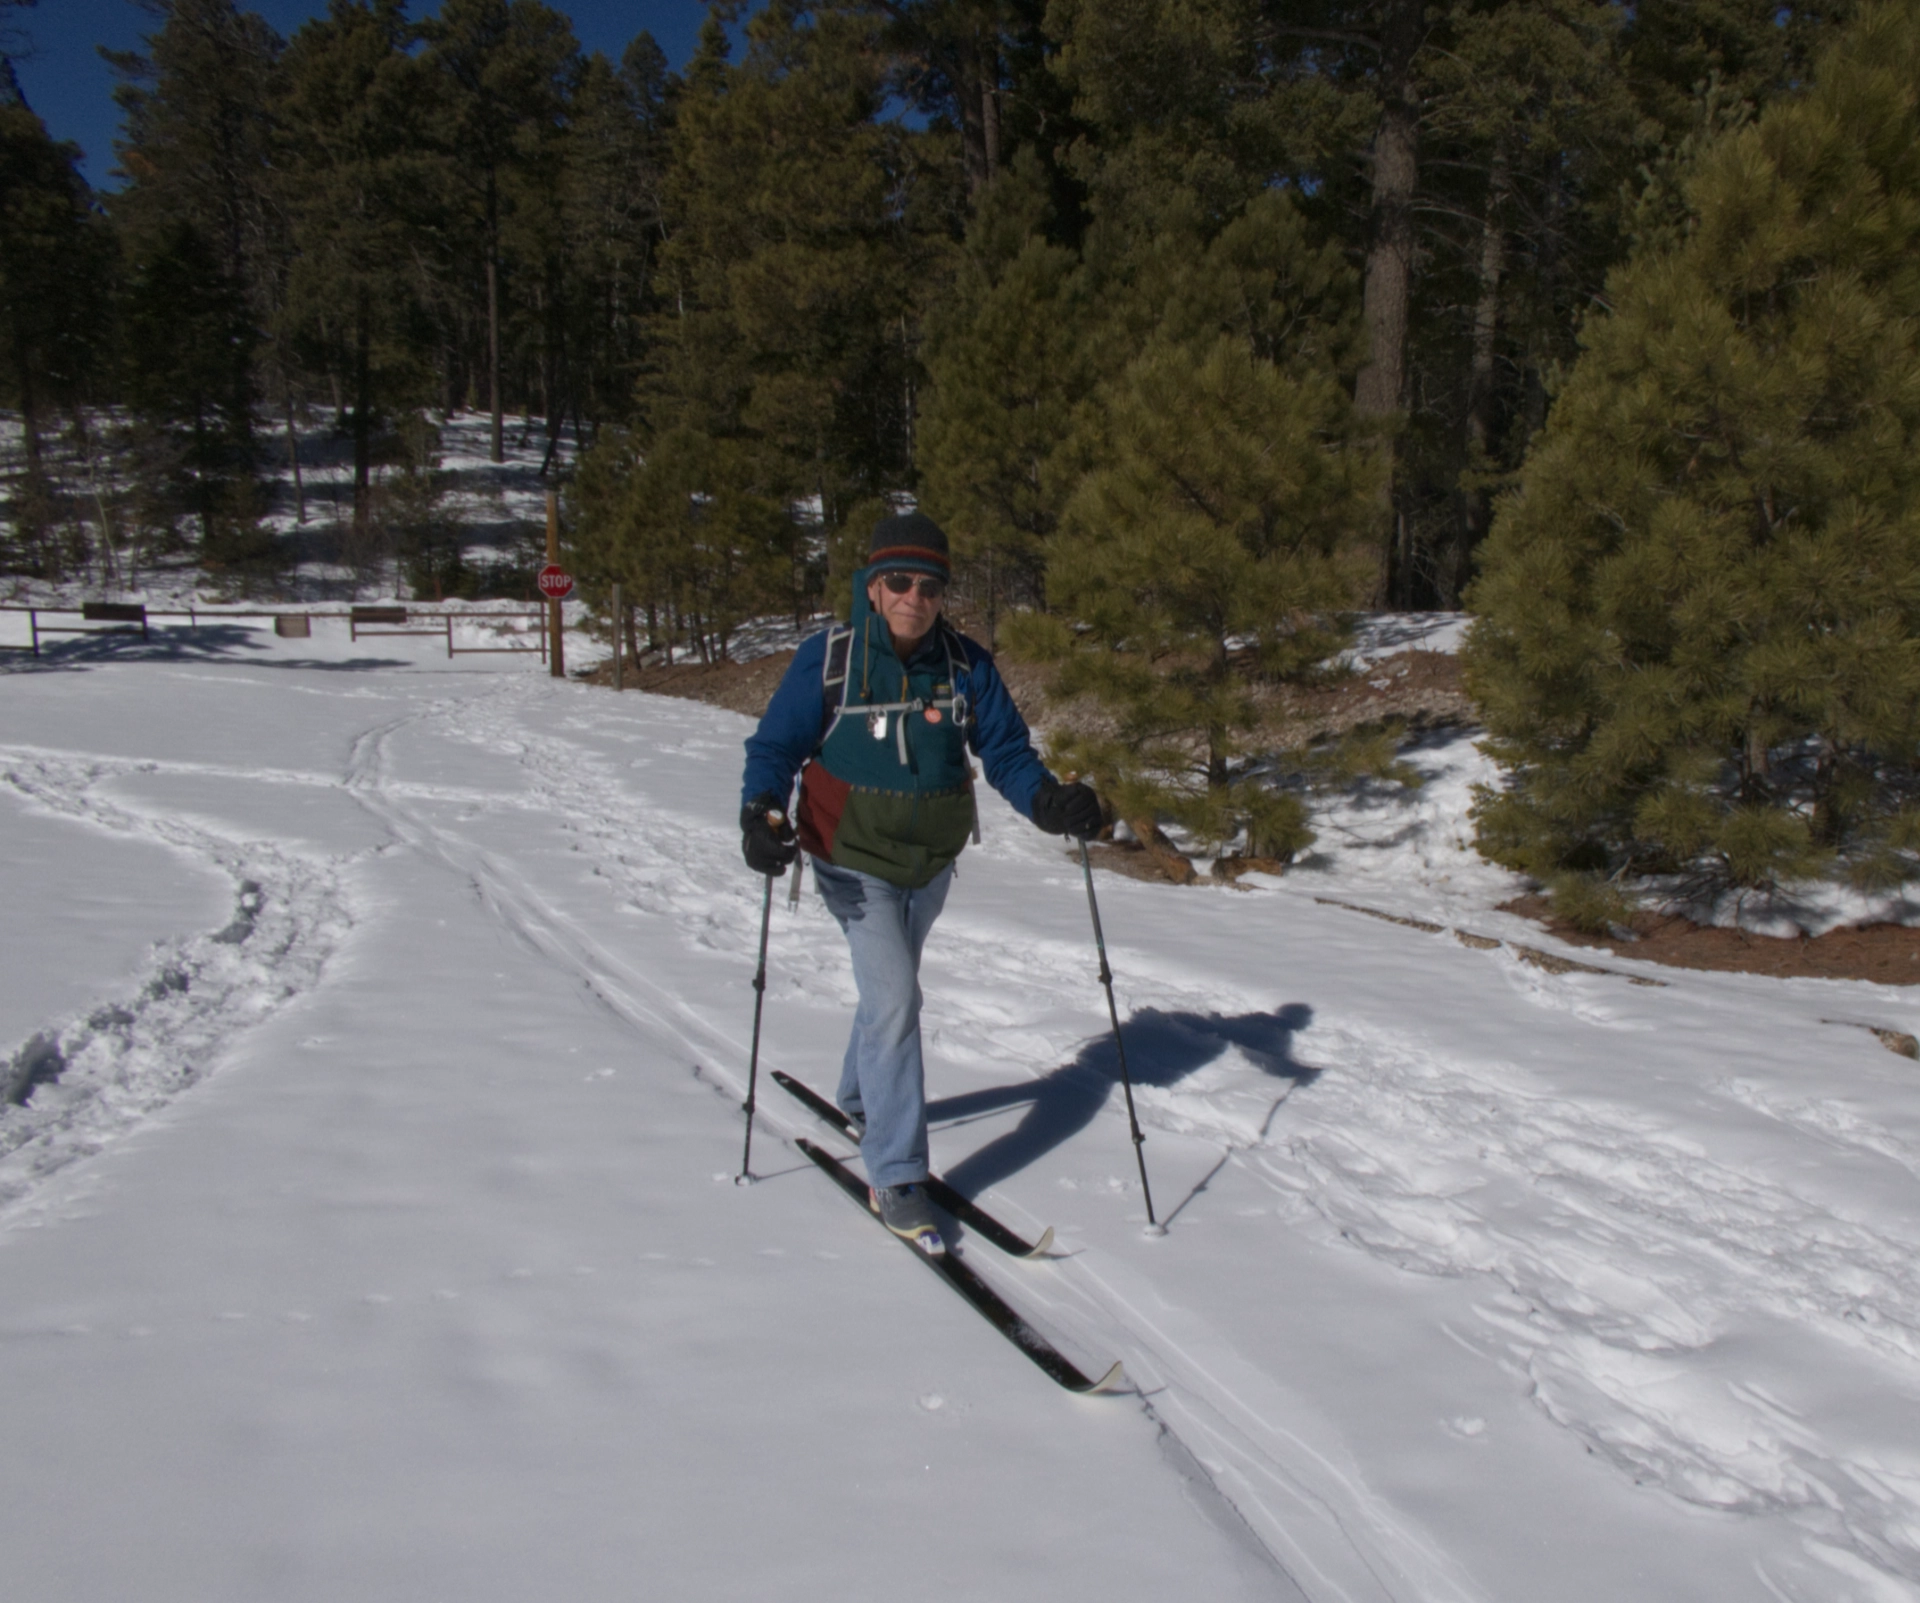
column 96, row 1074
column 694, row 887
column 1650, row 1249
column 1636, row 1253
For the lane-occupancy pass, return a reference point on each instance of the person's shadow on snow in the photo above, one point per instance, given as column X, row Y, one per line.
column 1162, row 1049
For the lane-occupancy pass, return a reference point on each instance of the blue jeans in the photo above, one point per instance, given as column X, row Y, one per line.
column 883, row 1080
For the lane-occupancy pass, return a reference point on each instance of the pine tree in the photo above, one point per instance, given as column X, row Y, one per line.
column 1471, row 155
column 1008, row 362
column 805, row 236
column 807, row 233
column 1698, row 635
column 505, row 66
column 1531, row 134
column 1216, row 531
column 55, row 264
column 361, row 182
column 690, row 531
column 13, row 44
column 198, row 225
column 1748, row 50
column 612, row 210
column 181, row 316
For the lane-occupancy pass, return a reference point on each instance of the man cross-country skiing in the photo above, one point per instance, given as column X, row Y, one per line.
column 877, row 719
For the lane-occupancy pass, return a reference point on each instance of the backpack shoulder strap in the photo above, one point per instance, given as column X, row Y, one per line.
column 833, row 675
column 957, row 667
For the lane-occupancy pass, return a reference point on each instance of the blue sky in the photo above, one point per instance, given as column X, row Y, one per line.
column 72, row 88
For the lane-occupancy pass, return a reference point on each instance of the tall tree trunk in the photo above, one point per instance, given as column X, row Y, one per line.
column 293, row 452
column 1549, row 274
column 554, row 370
column 32, row 508
column 908, row 418
column 1478, row 508
column 993, row 609
column 974, row 68
column 362, row 421
column 1380, row 388
column 990, row 105
column 203, row 498
column 498, row 446
column 1486, row 310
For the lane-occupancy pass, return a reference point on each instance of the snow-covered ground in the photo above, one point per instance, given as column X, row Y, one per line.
column 368, row 1228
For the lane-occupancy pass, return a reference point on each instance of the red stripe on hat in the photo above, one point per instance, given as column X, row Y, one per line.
column 907, row 553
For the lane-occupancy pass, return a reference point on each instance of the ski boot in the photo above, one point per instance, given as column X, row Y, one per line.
column 906, row 1212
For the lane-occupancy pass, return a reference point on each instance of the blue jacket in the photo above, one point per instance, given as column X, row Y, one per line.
column 797, row 718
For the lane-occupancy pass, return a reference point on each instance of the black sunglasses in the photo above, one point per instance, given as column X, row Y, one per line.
column 900, row 583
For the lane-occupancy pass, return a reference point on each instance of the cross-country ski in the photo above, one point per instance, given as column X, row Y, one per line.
column 985, row 1301
column 964, row 1209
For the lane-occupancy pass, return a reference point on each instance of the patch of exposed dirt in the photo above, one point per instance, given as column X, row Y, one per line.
column 1886, row 954
column 744, row 687
column 1130, row 858
column 1422, row 687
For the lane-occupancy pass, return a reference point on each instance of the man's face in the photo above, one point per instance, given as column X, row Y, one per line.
column 909, row 615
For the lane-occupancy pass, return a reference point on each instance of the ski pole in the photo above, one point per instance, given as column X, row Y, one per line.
column 1154, row 1227
column 745, row 1176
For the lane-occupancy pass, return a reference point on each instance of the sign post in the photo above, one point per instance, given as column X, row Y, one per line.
column 556, row 584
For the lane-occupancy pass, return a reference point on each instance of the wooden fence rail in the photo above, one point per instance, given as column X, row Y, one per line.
column 132, row 617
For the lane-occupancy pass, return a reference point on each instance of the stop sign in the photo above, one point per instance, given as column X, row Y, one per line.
column 556, row 584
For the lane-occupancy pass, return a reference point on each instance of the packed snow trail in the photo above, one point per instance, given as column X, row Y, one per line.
column 1641, row 1246
column 97, row 1074
column 427, row 1288
column 1483, row 1283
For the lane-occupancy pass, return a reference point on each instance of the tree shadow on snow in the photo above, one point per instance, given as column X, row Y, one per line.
column 1162, row 1049
column 208, row 642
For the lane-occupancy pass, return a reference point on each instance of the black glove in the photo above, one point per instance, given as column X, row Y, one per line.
column 767, row 837
column 1070, row 809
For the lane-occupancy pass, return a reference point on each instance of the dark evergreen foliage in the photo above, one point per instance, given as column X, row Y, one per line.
column 55, row 278
column 1197, row 322
column 1699, row 637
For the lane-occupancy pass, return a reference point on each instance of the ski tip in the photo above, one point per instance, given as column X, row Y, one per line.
column 1043, row 1246
column 1112, row 1381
